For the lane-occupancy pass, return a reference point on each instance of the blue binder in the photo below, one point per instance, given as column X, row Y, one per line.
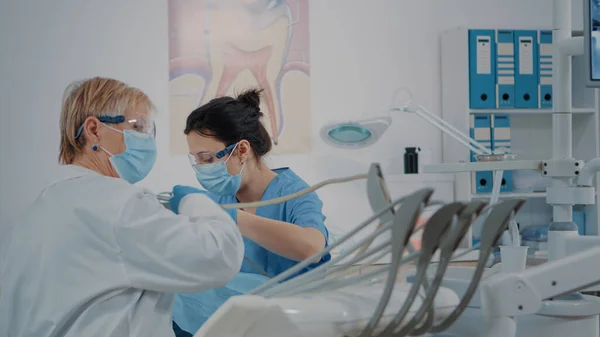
column 526, row 76
column 501, row 144
column 579, row 220
column 505, row 69
column 482, row 69
column 545, row 68
column 480, row 131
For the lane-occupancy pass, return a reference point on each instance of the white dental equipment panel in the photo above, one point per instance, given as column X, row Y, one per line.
column 338, row 313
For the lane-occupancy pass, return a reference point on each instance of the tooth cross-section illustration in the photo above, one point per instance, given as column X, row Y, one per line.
column 234, row 44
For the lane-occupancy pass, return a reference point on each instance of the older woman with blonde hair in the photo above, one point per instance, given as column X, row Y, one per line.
column 95, row 255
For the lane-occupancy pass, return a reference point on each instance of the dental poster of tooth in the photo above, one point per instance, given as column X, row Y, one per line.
column 221, row 47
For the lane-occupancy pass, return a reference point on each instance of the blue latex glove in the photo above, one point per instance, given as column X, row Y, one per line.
column 179, row 192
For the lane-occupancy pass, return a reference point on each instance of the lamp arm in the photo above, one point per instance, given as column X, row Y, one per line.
column 456, row 133
column 438, row 122
column 449, row 132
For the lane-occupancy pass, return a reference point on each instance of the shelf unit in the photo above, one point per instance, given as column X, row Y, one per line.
column 589, row 110
column 531, row 129
column 528, row 195
column 418, row 178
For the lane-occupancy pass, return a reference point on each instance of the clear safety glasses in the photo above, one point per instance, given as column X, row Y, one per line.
column 145, row 126
column 204, row 158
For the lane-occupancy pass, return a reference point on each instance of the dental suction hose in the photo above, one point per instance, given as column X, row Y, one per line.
column 289, row 197
column 164, row 197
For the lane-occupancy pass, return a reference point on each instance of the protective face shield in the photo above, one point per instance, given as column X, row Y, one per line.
column 215, row 177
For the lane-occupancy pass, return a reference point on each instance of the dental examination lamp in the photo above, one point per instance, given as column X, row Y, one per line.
column 572, row 179
column 360, row 134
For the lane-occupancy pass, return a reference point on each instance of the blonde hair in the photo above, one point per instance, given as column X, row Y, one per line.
column 94, row 97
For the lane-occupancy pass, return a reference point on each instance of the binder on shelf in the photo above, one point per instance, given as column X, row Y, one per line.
column 480, row 127
column 505, row 69
column 482, row 69
column 500, row 128
column 526, row 65
column 579, row 220
column 545, row 68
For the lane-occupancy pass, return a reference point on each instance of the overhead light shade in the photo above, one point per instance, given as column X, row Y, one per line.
column 349, row 133
column 359, row 134
column 355, row 134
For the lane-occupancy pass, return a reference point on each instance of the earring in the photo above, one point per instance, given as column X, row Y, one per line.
column 95, row 147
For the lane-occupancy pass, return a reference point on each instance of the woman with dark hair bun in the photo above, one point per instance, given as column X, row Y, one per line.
column 227, row 143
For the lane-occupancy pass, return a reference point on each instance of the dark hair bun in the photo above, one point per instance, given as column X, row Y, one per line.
column 230, row 120
column 251, row 98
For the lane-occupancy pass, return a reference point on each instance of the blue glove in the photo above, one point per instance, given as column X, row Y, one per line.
column 179, row 192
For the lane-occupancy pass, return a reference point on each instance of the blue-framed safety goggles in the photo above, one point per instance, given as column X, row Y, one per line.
column 204, row 158
column 138, row 125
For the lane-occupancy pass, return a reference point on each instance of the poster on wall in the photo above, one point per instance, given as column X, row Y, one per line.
column 221, row 47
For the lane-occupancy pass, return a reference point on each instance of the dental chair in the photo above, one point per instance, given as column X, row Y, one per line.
column 334, row 300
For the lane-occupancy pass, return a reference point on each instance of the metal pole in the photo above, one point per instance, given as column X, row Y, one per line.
column 562, row 138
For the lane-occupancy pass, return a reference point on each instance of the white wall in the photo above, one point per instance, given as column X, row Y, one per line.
column 361, row 51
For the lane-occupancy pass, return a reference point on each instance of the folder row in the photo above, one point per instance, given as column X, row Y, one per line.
column 493, row 132
column 510, row 69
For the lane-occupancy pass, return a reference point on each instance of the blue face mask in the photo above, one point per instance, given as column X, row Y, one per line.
column 216, row 179
column 139, row 157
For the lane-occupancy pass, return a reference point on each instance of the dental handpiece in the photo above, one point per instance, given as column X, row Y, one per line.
column 432, row 235
column 495, row 224
column 452, row 240
column 406, row 217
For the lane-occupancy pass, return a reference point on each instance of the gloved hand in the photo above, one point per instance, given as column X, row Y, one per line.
column 179, row 192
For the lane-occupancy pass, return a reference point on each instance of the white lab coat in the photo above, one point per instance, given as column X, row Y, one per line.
column 97, row 256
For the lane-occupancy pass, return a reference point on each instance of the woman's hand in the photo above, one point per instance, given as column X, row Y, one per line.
column 179, row 192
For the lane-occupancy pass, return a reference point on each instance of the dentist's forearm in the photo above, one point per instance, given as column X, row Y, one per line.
column 282, row 238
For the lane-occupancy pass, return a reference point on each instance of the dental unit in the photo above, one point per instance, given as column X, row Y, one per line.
column 329, row 301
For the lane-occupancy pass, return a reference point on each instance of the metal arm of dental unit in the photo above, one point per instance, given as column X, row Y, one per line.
column 507, row 295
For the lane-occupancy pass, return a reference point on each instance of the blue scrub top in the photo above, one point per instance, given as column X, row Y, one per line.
column 305, row 211
column 190, row 311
